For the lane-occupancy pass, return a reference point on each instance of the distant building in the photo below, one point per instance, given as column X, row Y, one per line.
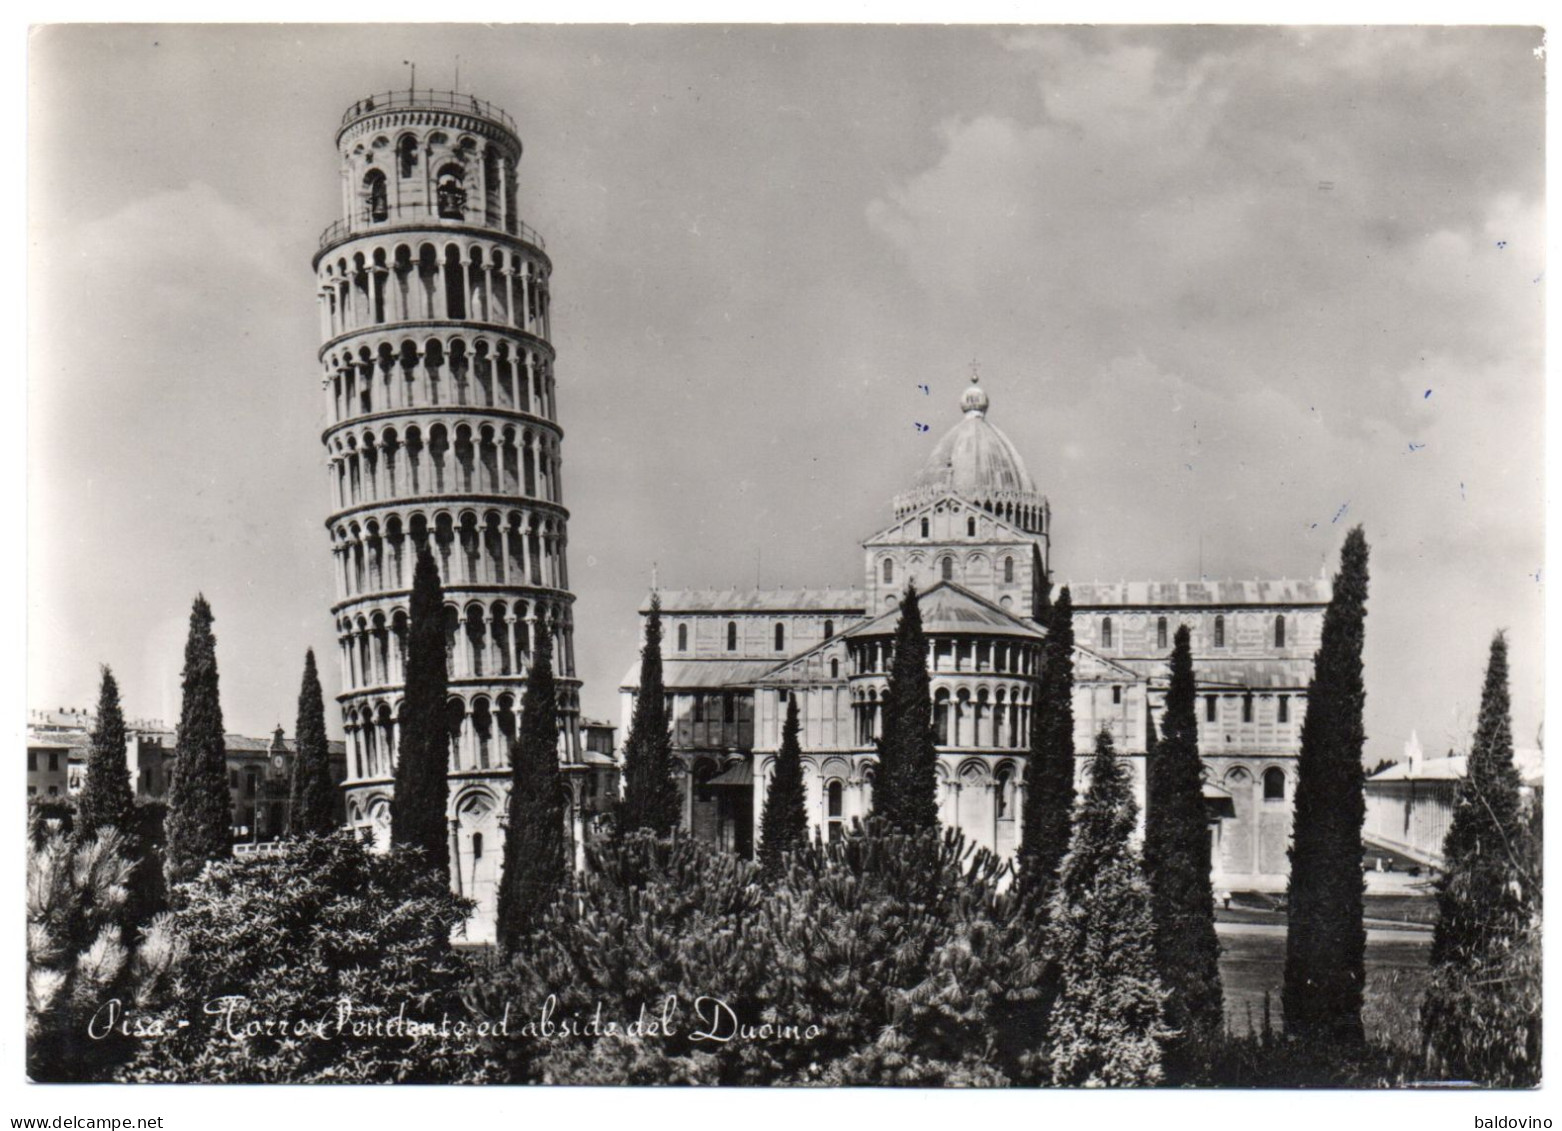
column 975, row 534
column 1410, row 805
column 259, row 769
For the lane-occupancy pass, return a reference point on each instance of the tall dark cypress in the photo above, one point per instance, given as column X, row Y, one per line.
column 1049, row 776
column 200, row 811
column 1106, row 1027
column 1481, row 1015
column 652, row 798
column 534, row 863
column 1177, row 864
column 422, row 794
column 1325, row 951
column 311, row 795
column 106, row 799
column 784, row 826
column 906, row 789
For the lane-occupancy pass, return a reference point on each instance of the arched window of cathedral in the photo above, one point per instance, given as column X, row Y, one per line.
column 1283, row 709
column 477, row 846
column 834, row 806
column 1247, row 707
column 376, row 201
column 970, row 526
column 829, row 629
column 780, row 637
column 1210, row 708
column 889, row 571
column 1160, row 632
column 407, row 155
column 732, row 636
column 683, row 638
column 924, row 528
column 1220, row 632
column 1274, row 784
column 1008, row 570
column 1280, row 630
column 1106, row 632
column 835, row 669
column 947, row 569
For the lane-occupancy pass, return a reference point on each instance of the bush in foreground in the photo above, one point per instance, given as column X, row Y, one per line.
column 295, row 968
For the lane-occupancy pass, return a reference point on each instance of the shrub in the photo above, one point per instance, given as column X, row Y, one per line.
column 331, row 941
column 893, row 958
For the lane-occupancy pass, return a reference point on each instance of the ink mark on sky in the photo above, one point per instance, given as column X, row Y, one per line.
column 1415, row 447
column 920, row 427
column 1536, row 576
column 1501, row 244
column 1426, row 394
column 924, row 390
column 1461, row 492
column 1339, row 514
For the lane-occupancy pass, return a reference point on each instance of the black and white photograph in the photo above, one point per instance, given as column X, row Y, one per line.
column 783, row 555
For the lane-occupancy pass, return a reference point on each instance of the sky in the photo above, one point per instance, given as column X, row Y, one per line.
column 1230, row 291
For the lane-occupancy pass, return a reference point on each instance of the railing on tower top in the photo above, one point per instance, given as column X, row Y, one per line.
column 426, row 100
column 404, row 215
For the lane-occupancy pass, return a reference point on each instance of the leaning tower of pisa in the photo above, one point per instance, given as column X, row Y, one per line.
column 442, row 430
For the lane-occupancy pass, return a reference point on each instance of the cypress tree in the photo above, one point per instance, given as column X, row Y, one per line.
column 1177, row 865
column 1481, row 1016
column 534, row 864
column 1325, row 952
column 200, row 811
column 106, row 800
column 1049, row 777
column 906, row 790
column 311, row 806
column 1107, row 1027
column 422, row 796
column 784, row 826
column 652, row 798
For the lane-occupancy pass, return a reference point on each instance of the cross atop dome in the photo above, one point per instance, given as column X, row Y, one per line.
column 973, row 400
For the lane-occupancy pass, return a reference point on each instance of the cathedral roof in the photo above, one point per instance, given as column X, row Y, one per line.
column 948, row 609
column 974, row 459
column 737, row 600
column 1176, row 594
column 703, row 674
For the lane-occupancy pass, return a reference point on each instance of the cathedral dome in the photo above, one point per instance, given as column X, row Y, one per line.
column 974, row 459
column 978, row 463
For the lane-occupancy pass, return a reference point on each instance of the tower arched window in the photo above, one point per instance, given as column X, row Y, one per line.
column 376, row 199
column 1008, row 570
column 1247, row 707
column 924, row 528
column 835, row 669
column 1106, row 632
column 683, row 638
column 1001, row 786
column 829, row 629
column 451, row 193
column 780, row 636
column 1283, row 709
column 477, row 846
column 1220, row 632
column 889, row 571
column 732, row 636
column 406, row 156
column 1280, row 630
column 970, row 526
column 1160, row 632
column 1274, row 784
column 946, row 568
